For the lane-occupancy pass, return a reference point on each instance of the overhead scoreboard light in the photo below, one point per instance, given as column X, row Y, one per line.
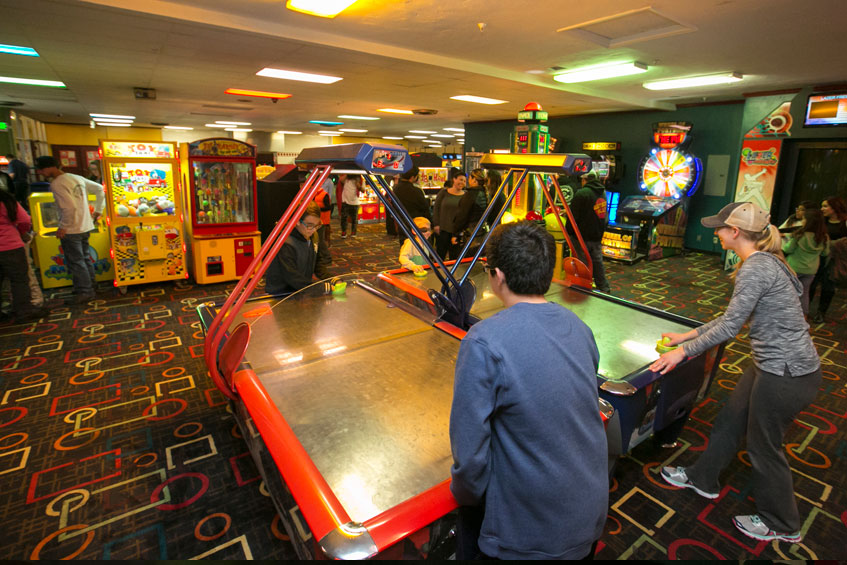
column 602, row 146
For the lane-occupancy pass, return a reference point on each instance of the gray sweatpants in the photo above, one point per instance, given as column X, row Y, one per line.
column 762, row 406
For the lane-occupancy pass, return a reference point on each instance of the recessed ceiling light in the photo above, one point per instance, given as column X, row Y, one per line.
column 460, row 130
column 177, row 127
column 326, row 123
column 443, row 135
column 333, row 132
column 395, row 111
column 478, row 99
column 113, row 125
column 237, row 129
column 535, row 72
column 420, row 131
column 349, row 117
column 391, row 137
column 320, row 8
column 257, row 93
column 33, row 82
column 233, row 123
column 329, row 134
column 353, row 130
column 294, row 75
column 415, row 136
column 115, row 120
column 704, row 80
column 282, row 131
column 18, row 50
column 598, row 72
column 118, row 116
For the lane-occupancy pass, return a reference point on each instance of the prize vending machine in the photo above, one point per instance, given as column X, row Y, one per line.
column 220, row 197
column 145, row 211
column 47, row 249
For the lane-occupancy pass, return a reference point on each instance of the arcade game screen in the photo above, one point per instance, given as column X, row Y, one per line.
column 646, row 205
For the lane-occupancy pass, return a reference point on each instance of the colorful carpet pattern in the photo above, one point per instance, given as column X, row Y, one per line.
column 114, row 443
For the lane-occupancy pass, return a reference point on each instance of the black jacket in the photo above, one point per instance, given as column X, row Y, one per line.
column 413, row 199
column 589, row 211
column 293, row 266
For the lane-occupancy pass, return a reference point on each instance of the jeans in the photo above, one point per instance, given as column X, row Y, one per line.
column 762, row 406
column 827, row 287
column 78, row 261
column 806, row 281
column 13, row 265
column 595, row 250
column 349, row 211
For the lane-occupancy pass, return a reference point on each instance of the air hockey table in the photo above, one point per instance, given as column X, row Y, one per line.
column 344, row 397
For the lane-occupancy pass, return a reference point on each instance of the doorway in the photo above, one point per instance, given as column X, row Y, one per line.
column 810, row 170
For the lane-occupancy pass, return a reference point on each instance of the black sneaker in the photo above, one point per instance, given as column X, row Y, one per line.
column 817, row 318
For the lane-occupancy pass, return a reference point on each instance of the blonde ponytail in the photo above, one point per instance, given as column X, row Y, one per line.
column 768, row 240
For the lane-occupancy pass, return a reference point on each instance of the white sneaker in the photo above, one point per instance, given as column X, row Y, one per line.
column 676, row 476
column 752, row 526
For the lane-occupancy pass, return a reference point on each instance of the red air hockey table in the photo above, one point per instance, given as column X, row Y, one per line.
column 344, row 396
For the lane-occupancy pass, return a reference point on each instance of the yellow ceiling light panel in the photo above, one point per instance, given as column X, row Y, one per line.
column 320, row 8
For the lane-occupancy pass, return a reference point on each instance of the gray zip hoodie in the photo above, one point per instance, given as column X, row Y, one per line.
column 768, row 294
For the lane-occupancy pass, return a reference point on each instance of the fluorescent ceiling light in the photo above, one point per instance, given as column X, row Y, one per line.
column 111, row 125
column 33, row 82
column 177, row 127
column 598, row 72
column 415, row 136
column 326, row 123
column 321, row 8
column 353, row 130
column 294, row 75
column 328, row 134
column 333, row 132
column 215, row 126
column 115, row 120
column 257, row 93
column 237, row 129
column 233, row 123
column 18, row 50
column 478, row 99
column 395, row 111
column 704, row 80
column 443, row 135
column 420, row 131
column 391, row 137
column 349, row 117
column 460, row 130
column 284, row 132
column 118, row 116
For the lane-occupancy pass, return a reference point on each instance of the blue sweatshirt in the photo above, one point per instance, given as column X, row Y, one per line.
column 526, row 433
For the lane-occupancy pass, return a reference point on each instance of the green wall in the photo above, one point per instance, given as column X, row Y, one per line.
column 717, row 131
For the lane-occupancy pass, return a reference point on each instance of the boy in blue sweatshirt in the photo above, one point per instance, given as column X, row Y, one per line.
column 529, row 449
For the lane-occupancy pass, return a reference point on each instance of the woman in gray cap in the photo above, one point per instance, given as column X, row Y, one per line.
column 782, row 380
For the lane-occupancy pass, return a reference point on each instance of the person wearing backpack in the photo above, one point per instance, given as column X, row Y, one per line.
column 804, row 248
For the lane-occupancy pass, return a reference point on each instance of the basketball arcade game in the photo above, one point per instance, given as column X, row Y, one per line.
column 653, row 226
column 334, row 424
column 145, row 211
column 220, row 198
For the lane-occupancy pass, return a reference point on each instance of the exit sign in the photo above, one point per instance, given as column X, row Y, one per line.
column 4, row 126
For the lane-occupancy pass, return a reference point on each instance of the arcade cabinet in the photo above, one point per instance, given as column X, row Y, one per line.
column 220, row 200
column 531, row 135
column 144, row 206
column 652, row 226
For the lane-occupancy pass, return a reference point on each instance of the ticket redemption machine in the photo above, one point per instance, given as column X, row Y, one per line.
column 48, row 254
column 652, row 225
column 220, row 200
column 144, row 207
column 531, row 135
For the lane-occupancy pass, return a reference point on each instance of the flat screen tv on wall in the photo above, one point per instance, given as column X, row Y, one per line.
column 823, row 110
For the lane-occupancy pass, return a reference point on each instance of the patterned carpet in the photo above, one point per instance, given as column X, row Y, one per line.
column 114, row 443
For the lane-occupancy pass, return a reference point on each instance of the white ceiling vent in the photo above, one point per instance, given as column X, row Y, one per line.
column 628, row 27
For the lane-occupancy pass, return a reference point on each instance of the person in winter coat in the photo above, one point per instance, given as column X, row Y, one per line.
column 294, row 265
column 782, row 380
column 804, row 249
column 589, row 212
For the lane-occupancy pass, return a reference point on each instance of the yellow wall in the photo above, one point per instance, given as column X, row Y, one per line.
column 61, row 134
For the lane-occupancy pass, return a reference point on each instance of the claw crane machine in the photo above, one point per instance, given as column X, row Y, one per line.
column 144, row 205
column 48, row 253
column 220, row 198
